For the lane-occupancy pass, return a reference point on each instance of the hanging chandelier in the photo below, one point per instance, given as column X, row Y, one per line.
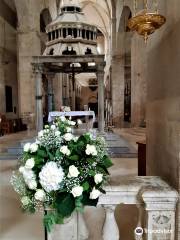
column 146, row 22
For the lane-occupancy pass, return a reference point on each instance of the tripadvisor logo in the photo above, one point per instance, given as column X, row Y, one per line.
column 138, row 231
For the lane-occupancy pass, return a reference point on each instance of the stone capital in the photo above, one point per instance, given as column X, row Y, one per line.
column 38, row 68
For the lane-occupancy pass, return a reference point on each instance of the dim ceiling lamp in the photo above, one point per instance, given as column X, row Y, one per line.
column 147, row 21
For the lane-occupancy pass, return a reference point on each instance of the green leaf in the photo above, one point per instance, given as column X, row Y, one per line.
column 50, row 155
column 85, row 186
column 51, row 218
column 41, row 153
column 65, row 204
column 107, row 162
column 74, row 158
column 91, row 173
column 87, row 201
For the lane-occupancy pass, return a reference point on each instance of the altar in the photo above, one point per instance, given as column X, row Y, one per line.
column 53, row 115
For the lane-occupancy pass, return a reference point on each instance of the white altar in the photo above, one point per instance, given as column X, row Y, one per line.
column 53, row 115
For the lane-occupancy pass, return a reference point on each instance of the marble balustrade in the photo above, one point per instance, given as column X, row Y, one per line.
column 155, row 200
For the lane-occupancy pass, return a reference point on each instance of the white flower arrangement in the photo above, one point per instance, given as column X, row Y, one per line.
column 61, row 171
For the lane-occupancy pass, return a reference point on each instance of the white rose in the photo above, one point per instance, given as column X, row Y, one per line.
column 76, row 139
column 95, row 194
column 79, row 122
column 57, row 133
column 27, row 147
column 33, row 148
column 46, row 126
column 68, row 130
column 25, row 200
column 72, row 123
column 91, row 150
column 41, row 133
column 68, row 137
column 32, row 184
column 53, row 127
column 77, row 191
column 98, row 178
column 21, row 169
column 40, row 195
column 30, row 163
column 73, row 171
column 62, row 118
column 65, row 150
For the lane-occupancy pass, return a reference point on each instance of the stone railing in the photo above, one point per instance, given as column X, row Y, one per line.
column 156, row 202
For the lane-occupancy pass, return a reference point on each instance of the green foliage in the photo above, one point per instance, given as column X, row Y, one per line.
column 51, row 218
column 65, row 204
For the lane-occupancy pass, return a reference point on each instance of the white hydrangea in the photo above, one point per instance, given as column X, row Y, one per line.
column 95, row 194
column 40, row 195
column 30, row 163
column 91, row 150
column 65, row 150
column 27, row 147
column 68, row 137
column 51, row 176
column 33, row 148
column 77, row 191
column 98, row 178
column 73, row 171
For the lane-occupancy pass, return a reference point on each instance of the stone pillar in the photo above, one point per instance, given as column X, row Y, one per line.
column 28, row 46
column 38, row 70
column 58, row 91
column 50, row 92
column 138, row 82
column 118, row 90
column 2, row 83
column 100, row 77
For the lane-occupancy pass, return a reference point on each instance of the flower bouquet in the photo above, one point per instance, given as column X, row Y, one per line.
column 61, row 172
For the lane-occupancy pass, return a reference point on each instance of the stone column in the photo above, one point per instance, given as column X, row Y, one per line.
column 118, row 90
column 100, row 77
column 2, row 83
column 28, row 46
column 50, row 92
column 138, row 82
column 58, row 90
column 38, row 70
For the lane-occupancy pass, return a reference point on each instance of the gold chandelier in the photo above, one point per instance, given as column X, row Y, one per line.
column 146, row 22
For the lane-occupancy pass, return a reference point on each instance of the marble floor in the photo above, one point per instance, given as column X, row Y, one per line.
column 15, row 225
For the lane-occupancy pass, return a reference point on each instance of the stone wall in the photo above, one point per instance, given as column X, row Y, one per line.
column 163, row 106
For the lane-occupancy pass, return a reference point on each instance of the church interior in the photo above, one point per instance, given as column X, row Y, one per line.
column 114, row 65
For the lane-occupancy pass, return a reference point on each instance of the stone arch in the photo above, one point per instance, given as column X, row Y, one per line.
column 45, row 19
